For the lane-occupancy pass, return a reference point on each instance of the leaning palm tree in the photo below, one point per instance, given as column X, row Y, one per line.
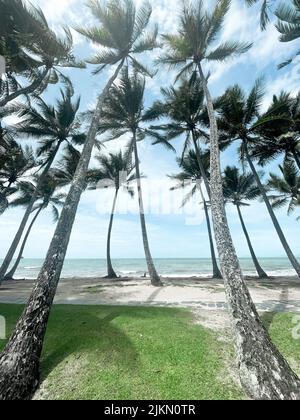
column 33, row 54
column 264, row 372
column 239, row 189
column 52, row 127
column 239, row 121
column 184, row 106
column 286, row 188
column 122, row 34
column 124, row 113
column 114, row 171
column 48, row 196
column 191, row 176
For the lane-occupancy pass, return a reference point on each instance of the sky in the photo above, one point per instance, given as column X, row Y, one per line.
column 173, row 232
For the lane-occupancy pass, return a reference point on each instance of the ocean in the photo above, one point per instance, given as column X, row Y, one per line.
column 179, row 267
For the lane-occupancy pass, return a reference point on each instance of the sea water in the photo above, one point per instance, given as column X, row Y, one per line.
column 177, row 267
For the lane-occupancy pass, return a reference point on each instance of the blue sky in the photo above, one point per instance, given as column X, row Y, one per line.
column 172, row 234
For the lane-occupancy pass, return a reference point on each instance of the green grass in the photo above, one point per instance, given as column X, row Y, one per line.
column 101, row 352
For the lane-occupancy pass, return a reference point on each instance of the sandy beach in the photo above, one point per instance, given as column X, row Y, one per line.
column 274, row 295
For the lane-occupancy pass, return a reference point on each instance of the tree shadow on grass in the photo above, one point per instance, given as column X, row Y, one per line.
column 268, row 317
column 88, row 331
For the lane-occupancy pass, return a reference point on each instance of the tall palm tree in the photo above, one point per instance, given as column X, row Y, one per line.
column 114, row 171
column 124, row 113
column 184, row 106
column 286, row 187
column 191, row 175
column 48, row 195
column 239, row 121
column 264, row 372
column 239, row 189
column 33, row 53
column 122, row 35
column 52, row 127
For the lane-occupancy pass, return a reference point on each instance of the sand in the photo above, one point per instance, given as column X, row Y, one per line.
column 276, row 294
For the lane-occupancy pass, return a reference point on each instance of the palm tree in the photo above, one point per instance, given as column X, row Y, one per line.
column 15, row 163
column 32, row 51
column 286, row 187
column 124, row 113
column 122, row 35
column 184, row 107
column 239, row 189
column 239, row 121
column 47, row 196
column 114, row 171
column 52, row 127
column 66, row 167
column 264, row 372
column 288, row 25
column 191, row 175
column 280, row 136
column 264, row 11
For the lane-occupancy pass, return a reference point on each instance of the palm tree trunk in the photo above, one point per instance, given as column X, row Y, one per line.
column 155, row 279
column 276, row 224
column 216, row 271
column 19, row 362
column 264, row 373
column 10, row 275
column 12, row 250
column 199, row 160
column 261, row 273
column 296, row 157
column 111, row 274
column 27, row 90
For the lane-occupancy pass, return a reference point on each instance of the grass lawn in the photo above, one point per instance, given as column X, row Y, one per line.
column 101, row 352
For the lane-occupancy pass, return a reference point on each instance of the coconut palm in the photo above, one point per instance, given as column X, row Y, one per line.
column 288, row 25
column 265, row 10
column 52, row 126
column 66, row 167
column 7, row 134
column 264, row 372
column 48, row 196
column 15, row 163
column 114, row 171
column 239, row 189
column 122, row 34
column 124, row 113
column 184, row 106
column 280, row 136
column 286, row 187
column 191, row 176
column 239, row 120
column 33, row 53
